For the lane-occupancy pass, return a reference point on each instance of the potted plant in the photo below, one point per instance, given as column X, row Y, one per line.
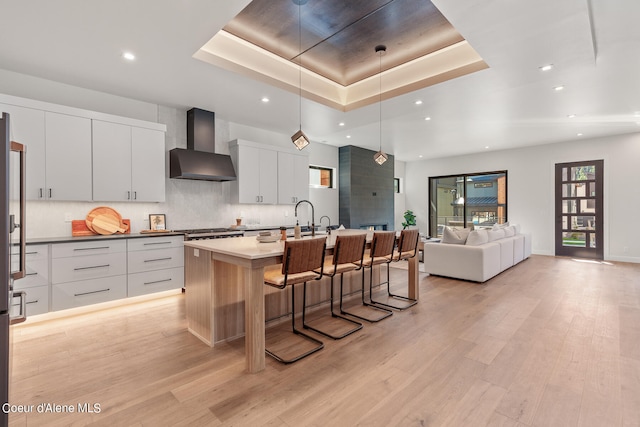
column 409, row 219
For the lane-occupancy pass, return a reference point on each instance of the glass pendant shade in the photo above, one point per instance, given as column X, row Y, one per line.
column 300, row 140
column 380, row 157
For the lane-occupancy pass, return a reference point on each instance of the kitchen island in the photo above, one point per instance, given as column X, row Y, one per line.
column 223, row 274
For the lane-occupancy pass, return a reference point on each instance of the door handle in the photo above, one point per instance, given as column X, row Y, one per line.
column 23, row 308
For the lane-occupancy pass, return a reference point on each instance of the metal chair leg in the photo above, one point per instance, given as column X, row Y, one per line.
column 411, row 301
column 319, row 344
column 333, row 314
column 386, row 313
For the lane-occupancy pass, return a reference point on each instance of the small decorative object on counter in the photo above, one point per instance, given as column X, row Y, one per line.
column 297, row 234
column 238, row 222
column 283, row 233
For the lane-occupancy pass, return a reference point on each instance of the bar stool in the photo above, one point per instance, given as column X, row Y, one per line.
column 348, row 253
column 303, row 260
column 380, row 253
column 407, row 248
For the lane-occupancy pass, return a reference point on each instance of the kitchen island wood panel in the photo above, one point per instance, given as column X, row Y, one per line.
column 225, row 276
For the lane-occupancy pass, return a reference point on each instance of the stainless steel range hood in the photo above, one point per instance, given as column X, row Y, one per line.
column 199, row 160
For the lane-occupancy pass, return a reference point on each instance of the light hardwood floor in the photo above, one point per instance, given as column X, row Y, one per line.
column 550, row 342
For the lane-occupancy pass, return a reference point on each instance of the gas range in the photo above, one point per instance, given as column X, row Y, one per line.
column 209, row 233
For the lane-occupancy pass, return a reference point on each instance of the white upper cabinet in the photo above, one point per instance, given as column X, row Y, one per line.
column 111, row 161
column 128, row 163
column 147, row 165
column 81, row 155
column 257, row 172
column 27, row 127
column 68, row 157
column 293, row 178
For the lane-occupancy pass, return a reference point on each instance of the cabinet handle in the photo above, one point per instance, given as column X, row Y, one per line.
column 28, row 302
column 93, row 266
column 257, row 198
column 91, row 249
column 157, row 281
column 135, row 195
column 261, row 199
column 158, row 259
column 128, row 195
column 93, row 292
column 50, row 193
column 31, row 253
column 31, row 274
column 157, row 243
column 41, row 192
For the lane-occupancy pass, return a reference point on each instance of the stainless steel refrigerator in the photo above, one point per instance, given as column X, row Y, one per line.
column 12, row 236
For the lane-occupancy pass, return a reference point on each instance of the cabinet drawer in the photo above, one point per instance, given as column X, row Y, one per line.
column 86, row 292
column 88, row 267
column 37, row 301
column 155, row 281
column 100, row 247
column 155, row 260
column 37, row 260
column 160, row 242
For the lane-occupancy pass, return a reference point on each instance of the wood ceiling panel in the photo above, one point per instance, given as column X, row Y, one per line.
column 338, row 37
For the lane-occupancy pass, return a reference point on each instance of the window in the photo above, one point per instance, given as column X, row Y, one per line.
column 478, row 200
column 320, row 177
column 396, row 185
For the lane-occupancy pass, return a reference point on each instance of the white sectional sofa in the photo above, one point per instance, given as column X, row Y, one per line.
column 478, row 257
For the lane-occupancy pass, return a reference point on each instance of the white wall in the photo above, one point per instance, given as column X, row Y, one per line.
column 189, row 204
column 531, row 188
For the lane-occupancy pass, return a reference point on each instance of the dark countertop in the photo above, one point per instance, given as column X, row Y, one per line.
column 67, row 239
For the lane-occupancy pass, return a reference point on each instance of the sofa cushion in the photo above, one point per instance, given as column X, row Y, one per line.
column 455, row 236
column 509, row 231
column 497, row 226
column 477, row 238
column 495, row 234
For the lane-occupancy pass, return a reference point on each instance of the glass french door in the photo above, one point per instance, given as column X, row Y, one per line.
column 579, row 206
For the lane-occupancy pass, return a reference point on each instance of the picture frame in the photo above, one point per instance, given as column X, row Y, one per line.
column 157, row 222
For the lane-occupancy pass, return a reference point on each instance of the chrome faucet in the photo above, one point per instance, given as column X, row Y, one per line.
column 328, row 226
column 313, row 220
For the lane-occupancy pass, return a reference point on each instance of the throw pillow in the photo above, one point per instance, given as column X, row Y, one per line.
column 477, row 238
column 495, row 234
column 497, row 226
column 509, row 231
column 455, row 236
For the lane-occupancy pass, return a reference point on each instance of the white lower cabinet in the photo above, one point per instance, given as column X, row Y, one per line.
column 35, row 283
column 85, row 273
column 155, row 264
column 91, row 272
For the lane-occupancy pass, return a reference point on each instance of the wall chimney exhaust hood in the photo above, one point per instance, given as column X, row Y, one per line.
column 199, row 160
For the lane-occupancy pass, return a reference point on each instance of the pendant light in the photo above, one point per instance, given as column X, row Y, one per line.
column 380, row 157
column 299, row 139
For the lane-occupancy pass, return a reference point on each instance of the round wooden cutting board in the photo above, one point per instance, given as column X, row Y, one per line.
column 106, row 211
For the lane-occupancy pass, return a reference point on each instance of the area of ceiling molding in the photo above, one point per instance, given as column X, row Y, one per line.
column 340, row 67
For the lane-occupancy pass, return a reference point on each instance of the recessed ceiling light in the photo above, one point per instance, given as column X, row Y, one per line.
column 341, row 124
column 636, row 114
column 486, row 148
column 427, row 118
column 265, row 99
column 579, row 134
column 420, row 156
column 418, row 102
column 547, row 67
column 348, row 136
column 571, row 116
column 558, row 88
column 128, row 56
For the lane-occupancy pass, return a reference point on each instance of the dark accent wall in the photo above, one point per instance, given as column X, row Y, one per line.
column 366, row 189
